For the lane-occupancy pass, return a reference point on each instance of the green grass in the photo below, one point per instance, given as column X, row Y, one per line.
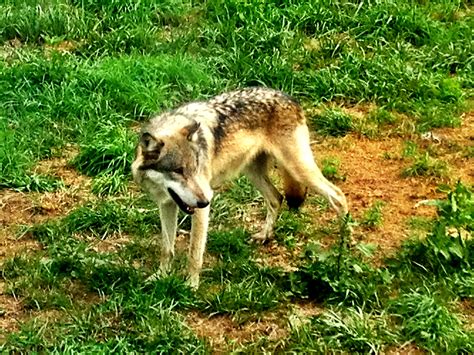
column 80, row 76
column 425, row 319
column 348, row 330
column 373, row 217
column 425, row 165
column 333, row 122
column 330, row 169
column 422, row 163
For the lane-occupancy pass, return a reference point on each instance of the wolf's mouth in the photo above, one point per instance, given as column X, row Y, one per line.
column 183, row 206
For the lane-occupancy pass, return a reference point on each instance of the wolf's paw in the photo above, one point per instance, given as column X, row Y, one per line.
column 261, row 237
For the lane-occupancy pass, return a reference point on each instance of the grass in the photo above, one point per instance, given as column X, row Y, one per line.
column 350, row 329
column 333, row 122
column 373, row 217
column 80, row 76
column 431, row 324
column 330, row 169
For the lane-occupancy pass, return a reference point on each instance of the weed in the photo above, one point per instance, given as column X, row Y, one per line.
column 425, row 165
column 410, row 149
column 446, row 253
column 336, row 276
column 230, row 246
column 290, row 226
column 106, row 184
column 381, row 116
column 420, row 223
column 111, row 151
column 244, row 299
column 243, row 192
column 330, row 169
column 32, row 183
column 373, row 217
column 333, row 122
column 372, row 124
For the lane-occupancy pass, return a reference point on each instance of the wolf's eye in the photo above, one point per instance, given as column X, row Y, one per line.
column 179, row 171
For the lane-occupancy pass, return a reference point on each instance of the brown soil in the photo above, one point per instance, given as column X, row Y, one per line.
column 224, row 333
column 370, row 176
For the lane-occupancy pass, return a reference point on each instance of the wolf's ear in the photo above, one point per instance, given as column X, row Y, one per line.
column 190, row 131
column 151, row 145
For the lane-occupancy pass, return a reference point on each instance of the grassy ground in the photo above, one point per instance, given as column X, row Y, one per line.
column 387, row 87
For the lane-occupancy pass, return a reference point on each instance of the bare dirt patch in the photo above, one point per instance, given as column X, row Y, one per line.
column 10, row 311
column 370, row 177
column 225, row 334
column 18, row 208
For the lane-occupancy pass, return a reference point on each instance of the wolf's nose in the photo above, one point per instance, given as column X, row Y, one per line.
column 202, row 204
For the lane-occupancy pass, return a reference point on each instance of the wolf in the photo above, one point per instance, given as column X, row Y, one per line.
column 184, row 154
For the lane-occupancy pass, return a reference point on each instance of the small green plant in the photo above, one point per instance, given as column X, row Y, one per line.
column 230, row 246
column 333, row 122
column 418, row 223
column 290, row 225
column 245, row 298
column 98, row 219
column 330, row 169
column 410, row 149
column 339, row 276
column 447, row 251
column 242, row 191
column 32, row 183
column 425, row 165
column 373, row 217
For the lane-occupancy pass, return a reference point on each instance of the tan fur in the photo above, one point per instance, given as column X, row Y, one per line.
column 186, row 153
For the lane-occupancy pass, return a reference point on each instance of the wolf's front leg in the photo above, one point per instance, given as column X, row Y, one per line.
column 169, row 220
column 197, row 244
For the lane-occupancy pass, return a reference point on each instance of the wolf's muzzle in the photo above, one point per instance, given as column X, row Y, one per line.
column 181, row 204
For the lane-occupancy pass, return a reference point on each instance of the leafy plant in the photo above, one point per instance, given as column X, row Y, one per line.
column 340, row 277
column 373, row 217
column 424, row 165
column 330, row 169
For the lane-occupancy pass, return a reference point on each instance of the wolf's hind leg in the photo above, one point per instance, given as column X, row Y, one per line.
column 297, row 159
column 257, row 172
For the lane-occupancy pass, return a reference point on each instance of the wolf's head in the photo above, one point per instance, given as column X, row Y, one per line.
column 170, row 153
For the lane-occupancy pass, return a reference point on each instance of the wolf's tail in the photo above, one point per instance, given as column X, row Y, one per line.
column 295, row 193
